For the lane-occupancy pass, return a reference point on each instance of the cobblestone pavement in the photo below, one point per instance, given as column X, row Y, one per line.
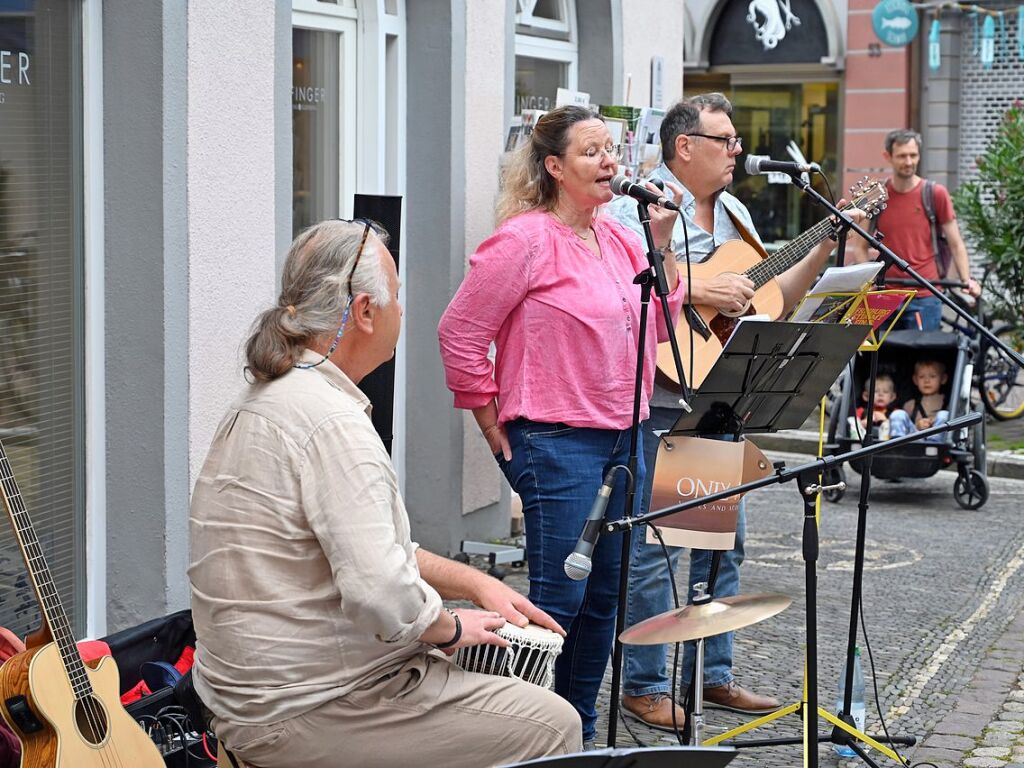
column 943, row 593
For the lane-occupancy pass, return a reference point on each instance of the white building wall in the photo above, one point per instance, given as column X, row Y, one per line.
column 482, row 134
column 652, row 28
column 231, row 199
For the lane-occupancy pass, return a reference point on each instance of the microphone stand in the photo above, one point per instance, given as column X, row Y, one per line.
column 650, row 279
column 892, row 260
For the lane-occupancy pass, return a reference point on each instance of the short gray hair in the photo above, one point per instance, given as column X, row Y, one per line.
column 902, row 136
column 314, row 292
column 684, row 118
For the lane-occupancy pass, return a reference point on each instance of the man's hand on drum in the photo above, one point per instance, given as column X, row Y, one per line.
column 492, row 595
column 478, row 629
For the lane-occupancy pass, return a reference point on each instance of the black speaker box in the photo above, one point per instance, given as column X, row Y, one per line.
column 379, row 386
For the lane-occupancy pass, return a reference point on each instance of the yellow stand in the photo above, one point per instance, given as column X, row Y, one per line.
column 856, row 308
column 809, row 721
column 810, row 727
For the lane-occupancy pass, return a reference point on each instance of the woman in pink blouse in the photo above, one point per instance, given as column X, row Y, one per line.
column 553, row 289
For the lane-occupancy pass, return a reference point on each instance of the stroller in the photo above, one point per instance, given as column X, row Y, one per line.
column 965, row 447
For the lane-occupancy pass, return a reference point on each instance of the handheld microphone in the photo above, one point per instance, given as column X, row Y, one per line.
column 623, row 186
column 756, row 164
column 577, row 565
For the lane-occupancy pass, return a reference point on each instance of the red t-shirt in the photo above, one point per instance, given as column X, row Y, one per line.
column 907, row 231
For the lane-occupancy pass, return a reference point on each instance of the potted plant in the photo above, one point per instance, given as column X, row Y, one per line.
column 991, row 212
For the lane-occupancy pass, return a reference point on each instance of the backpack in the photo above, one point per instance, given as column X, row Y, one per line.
column 940, row 247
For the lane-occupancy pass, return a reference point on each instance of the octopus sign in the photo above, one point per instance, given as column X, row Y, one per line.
column 895, row 22
column 771, row 19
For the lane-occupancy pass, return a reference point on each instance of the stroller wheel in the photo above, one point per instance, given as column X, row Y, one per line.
column 971, row 490
column 832, row 476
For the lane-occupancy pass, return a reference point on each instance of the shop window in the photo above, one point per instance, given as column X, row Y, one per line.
column 323, row 115
column 547, row 53
column 544, row 15
column 315, row 127
column 42, row 300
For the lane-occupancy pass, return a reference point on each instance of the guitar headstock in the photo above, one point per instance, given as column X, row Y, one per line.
column 869, row 196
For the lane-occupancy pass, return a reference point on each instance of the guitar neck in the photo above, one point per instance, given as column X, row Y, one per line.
column 46, row 591
column 789, row 255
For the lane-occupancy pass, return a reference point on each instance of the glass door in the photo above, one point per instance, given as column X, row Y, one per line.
column 769, row 117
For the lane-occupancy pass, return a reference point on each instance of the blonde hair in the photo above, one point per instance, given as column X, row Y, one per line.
column 528, row 185
column 314, row 293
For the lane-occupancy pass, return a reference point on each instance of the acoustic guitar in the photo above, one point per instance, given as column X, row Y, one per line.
column 710, row 327
column 67, row 714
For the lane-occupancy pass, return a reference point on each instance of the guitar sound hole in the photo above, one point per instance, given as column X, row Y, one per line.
column 723, row 325
column 91, row 719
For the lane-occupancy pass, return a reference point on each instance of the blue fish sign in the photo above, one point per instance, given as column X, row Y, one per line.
column 894, row 22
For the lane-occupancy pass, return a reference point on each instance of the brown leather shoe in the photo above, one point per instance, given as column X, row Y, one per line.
column 654, row 710
column 734, row 697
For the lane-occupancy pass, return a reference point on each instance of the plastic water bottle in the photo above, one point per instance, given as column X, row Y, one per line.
column 856, row 701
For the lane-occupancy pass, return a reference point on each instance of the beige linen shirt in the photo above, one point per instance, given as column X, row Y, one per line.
column 304, row 579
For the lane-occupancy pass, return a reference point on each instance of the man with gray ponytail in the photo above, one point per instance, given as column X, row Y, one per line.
column 319, row 622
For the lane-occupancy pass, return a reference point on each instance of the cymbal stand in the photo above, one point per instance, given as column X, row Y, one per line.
column 809, row 488
column 697, row 715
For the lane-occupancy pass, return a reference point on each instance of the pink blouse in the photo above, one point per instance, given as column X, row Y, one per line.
column 564, row 322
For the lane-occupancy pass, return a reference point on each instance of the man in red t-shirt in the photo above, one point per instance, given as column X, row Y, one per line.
column 908, row 232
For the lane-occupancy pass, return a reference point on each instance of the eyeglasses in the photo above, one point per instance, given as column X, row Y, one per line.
column 359, row 254
column 382, row 233
column 378, row 230
column 731, row 142
column 614, row 151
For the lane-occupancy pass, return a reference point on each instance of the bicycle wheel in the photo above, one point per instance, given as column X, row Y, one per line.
column 1002, row 384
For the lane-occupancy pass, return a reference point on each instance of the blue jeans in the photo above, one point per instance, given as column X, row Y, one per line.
column 645, row 667
column 925, row 306
column 557, row 471
column 901, row 424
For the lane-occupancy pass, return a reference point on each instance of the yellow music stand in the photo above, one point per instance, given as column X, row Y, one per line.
column 864, row 307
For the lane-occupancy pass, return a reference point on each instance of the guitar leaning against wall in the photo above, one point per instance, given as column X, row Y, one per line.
column 712, row 328
column 66, row 713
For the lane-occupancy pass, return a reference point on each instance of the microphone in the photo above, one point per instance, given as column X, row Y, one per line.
column 577, row 564
column 756, row 164
column 623, row 186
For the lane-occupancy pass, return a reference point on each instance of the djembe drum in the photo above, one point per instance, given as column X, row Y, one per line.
column 530, row 656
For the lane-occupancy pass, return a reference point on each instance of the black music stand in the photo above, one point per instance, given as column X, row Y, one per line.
column 650, row 757
column 770, row 376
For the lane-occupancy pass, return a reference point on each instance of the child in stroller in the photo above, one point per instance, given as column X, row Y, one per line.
column 928, row 407
column 940, row 366
column 881, row 412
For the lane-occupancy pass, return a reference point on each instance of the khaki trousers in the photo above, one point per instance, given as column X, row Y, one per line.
column 430, row 713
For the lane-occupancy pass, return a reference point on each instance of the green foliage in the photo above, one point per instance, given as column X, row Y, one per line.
column 991, row 211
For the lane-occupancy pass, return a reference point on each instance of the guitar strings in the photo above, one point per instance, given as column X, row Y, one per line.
column 54, row 615
column 794, row 251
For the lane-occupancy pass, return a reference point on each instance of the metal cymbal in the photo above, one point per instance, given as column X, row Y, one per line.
column 711, row 618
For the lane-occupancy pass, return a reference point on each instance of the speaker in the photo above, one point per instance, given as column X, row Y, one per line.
column 379, row 386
